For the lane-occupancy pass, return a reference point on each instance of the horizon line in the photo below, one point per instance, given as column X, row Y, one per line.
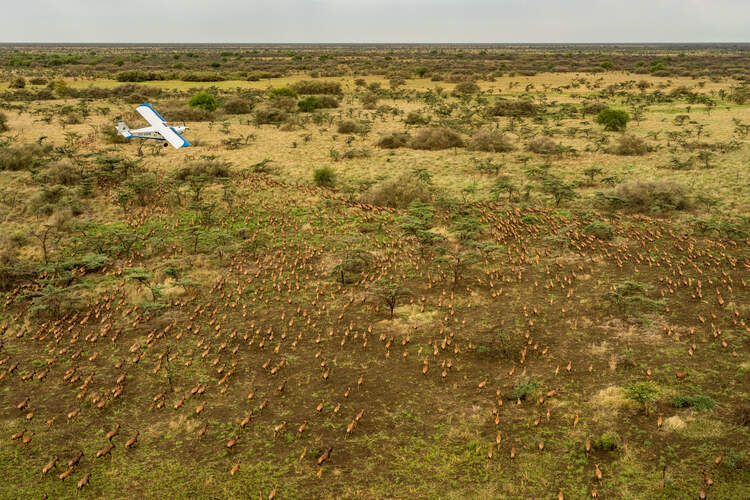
column 374, row 43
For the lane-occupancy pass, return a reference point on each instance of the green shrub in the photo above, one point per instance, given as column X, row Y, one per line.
column 203, row 76
column 203, row 100
column 698, row 403
column 613, row 119
column 17, row 83
column 393, row 140
column 492, row 141
column 309, row 104
column 642, row 392
column 609, row 440
column 3, row 122
column 630, row 145
column 526, row 390
column 600, row 230
column 466, row 87
column 435, row 138
column 283, row 92
column 324, row 176
column 420, row 71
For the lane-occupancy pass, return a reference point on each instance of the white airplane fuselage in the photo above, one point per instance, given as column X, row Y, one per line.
column 158, row 130
column 145, row 132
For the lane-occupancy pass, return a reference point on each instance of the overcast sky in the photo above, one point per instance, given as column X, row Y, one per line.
column 313, row 21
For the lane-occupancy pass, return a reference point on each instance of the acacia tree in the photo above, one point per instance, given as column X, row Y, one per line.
column 560, row 191
column 390, row 293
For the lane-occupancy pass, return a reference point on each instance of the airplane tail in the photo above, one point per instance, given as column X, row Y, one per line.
column 123, row 130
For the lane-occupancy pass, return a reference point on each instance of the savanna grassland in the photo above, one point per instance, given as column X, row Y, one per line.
column 379, row 272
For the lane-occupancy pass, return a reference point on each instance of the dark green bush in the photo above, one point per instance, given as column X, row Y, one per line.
column 698, row 403
column 309, row 104
column 324, row 176
column 203, row 100
column 613, row 120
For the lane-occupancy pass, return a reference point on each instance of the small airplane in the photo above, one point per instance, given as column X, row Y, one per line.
column 159, row 130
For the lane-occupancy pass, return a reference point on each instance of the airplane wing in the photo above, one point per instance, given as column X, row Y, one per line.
column 159, row 125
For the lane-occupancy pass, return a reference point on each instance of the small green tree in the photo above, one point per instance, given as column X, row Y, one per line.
column 203, row 100
column 642, row 392
column 143, row 187
column 390, row 293
column 592, row 172
column 560, row 191
column 503, row 185
column 613, row 120
column 420, row 71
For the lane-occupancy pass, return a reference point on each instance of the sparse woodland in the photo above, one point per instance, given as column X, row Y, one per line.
column 379, row 272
